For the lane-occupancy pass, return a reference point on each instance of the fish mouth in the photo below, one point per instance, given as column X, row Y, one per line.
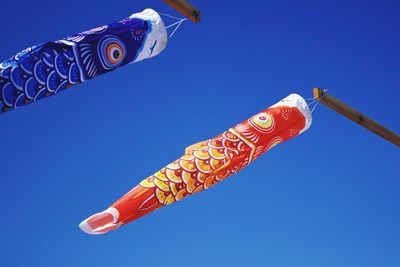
column 101, row 222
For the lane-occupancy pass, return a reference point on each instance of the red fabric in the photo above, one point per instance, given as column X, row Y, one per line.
column 209, row 162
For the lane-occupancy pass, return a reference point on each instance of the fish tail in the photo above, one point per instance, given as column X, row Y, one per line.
column 135, row 204
column 101, row 222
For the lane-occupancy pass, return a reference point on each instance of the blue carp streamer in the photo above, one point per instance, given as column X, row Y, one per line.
column 44, row 70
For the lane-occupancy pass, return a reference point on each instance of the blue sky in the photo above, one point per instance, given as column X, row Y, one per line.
column 330, row 197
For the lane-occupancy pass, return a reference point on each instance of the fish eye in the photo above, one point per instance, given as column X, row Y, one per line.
column 112, row 52
column 263, row 122
column 115, row 53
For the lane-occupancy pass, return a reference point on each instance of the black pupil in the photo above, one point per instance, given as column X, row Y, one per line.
column 116, row 54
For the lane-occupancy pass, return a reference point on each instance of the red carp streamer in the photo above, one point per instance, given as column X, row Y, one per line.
column 206, row 163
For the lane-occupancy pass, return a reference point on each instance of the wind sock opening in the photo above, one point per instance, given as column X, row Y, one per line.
column 101, row 223
column 157, row 38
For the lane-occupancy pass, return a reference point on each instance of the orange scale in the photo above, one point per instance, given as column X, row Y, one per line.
column 161, row 185
column 202, row 166
column 215, row 164
column 215, row 144
column 161, row 196
column 160, row 175
column 199, row 145
column 188, row 166
column 189, row 181
column 181, row 194
column 230, row 136
column 201, row 154
column 170, row 199
column 148, row 182
column 201, row 177
column 173, row 166
column 174, row 188
column 171, row 175
column 210, row 181
column 217, row 153
column 198, row 189
column 187, row 157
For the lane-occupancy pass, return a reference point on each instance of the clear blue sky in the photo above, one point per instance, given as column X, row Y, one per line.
column 330, row 197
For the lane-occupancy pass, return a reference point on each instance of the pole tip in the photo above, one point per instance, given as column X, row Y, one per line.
column 318, row 93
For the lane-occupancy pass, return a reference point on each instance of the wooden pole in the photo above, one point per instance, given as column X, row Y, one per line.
column 356, row 116
column 185, row 9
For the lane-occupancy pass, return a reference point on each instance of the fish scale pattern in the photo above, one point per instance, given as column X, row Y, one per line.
column 37, row 73
column 207, row 163
column 46, row 69
column 202, row 166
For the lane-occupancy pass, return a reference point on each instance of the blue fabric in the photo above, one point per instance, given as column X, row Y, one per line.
column 44, row 70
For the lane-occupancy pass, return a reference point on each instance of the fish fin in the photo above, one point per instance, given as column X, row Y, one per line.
column 226, row 169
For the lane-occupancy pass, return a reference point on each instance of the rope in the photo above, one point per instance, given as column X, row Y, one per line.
column 315, row 100
column 169, row 16
column 177, row 27
column 177, row 24
column 308, row 99
column 314, row 107
column 312, row 102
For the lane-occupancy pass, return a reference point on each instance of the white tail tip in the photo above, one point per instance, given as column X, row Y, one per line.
column 101, row 223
